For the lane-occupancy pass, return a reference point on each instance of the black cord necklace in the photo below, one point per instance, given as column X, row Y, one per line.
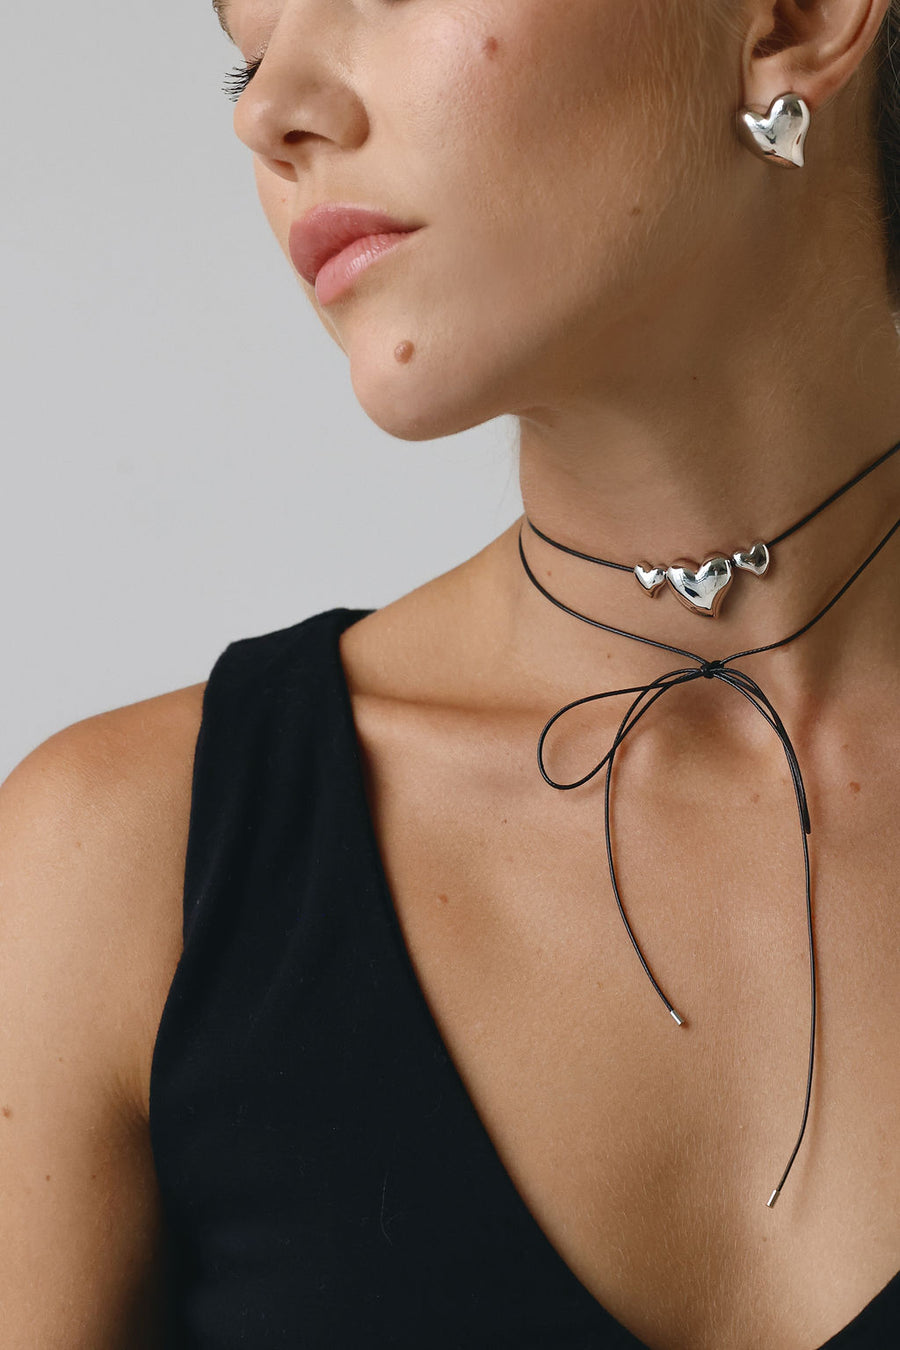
column 701, row 587
column 719, row 669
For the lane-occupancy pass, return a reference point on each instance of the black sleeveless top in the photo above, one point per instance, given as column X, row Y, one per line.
column 326, row 1181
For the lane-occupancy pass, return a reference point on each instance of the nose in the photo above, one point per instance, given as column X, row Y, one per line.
column 299, row 103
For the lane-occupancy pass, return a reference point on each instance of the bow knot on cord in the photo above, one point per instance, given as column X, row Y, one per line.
column 646, row 696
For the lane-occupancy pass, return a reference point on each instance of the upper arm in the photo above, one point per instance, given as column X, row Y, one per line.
column 92, row 832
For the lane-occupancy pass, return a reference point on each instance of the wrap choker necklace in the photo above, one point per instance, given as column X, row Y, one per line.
column 702, row 588
column 700, row 592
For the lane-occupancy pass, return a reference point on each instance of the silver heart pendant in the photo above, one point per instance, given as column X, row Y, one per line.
column 755, row 559
column 779, row 135
column 702, row 588
column 651, row 578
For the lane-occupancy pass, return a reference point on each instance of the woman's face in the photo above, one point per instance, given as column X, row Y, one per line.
column 546, row 145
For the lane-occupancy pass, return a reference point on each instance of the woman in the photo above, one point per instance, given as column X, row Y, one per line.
column 411, row 1084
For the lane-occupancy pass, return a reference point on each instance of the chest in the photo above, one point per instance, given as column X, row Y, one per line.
column 646, row 1151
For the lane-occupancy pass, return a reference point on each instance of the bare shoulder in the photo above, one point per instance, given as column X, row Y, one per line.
column 94, row 835
column 93, row 830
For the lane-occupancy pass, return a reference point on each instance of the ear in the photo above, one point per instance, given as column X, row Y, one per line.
column 807, row 47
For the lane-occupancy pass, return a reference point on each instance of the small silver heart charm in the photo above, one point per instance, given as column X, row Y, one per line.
column 651, row 578
column 778, row 136
column 755, row 559
column 701, row 588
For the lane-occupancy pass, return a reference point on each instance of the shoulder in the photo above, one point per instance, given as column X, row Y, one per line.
column 124, row 767
column 93, row 835
column 93, row 825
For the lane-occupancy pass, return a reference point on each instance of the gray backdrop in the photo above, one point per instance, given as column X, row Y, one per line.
column 181, row 439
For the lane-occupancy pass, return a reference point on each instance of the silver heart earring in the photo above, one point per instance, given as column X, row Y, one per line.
column 779, row 135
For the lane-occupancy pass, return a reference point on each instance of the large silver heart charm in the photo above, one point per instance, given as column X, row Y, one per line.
column 701, row 588
column 651, row 578
column 779, row 135
column 755, row 559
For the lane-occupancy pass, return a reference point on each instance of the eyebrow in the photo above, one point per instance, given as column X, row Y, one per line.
column 221, row 7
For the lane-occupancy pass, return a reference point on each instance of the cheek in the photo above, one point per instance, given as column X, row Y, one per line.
column 554, row 142
column 508, row 114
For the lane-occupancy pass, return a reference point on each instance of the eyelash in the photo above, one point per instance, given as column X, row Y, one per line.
column 236, row 80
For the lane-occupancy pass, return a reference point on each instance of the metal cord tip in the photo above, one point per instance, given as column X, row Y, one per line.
column 679, row 1020
column 772, row 1198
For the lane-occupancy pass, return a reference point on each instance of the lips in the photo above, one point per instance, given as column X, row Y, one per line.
column 327, row 230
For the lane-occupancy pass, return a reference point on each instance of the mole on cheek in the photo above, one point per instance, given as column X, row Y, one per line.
column 403, row 352
column 490, row 47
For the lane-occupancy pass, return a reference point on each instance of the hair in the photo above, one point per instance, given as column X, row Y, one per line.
column 887, row 137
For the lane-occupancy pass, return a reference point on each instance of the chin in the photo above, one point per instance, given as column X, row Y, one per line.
column 420, row 400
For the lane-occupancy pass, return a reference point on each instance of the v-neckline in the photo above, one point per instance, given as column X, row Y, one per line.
column 339, row 620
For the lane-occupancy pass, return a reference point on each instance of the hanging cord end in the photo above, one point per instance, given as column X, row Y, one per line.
column 673, row 1013
column 770, row 1203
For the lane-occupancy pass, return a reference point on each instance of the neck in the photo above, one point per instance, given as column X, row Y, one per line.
column 683, row 450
